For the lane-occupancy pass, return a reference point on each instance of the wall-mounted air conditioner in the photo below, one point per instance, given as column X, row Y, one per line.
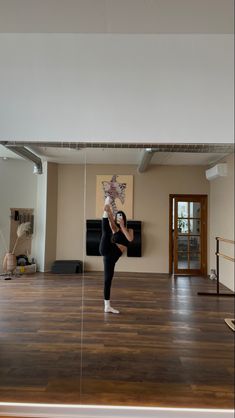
column 219, row 170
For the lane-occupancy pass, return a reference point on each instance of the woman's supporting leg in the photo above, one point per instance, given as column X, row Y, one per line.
column 109, row 264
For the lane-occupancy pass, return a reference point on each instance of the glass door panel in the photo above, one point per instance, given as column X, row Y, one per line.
column 195, row 226
column 194, row 244
column 183, row 260
column 182, row 210
column 182, row 244
column 194, row 261
column 195, row 210
column 183, row 226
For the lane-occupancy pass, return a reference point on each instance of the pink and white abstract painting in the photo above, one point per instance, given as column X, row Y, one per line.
column 120, row 190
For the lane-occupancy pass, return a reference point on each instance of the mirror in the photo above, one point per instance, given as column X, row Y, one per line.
column 59, row 346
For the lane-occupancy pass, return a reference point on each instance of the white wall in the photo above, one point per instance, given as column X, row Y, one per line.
column 18, row 189
column 41, row 219
column 51, row 215
column 142, row 88
column 222, row 222
column 151, row 192
column 71, row 212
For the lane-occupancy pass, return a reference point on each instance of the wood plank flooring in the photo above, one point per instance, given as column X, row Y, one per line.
column 168, row 346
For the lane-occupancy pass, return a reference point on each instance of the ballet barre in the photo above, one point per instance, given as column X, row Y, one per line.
column 226, row 257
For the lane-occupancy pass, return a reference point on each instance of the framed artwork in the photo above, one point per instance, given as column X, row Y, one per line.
column 119, row 188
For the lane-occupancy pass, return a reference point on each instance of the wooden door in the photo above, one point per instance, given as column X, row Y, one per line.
column 190, row 234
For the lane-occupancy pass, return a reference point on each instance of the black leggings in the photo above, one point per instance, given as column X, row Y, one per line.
column 111, row 253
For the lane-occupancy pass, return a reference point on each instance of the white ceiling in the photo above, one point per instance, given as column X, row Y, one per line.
column 121, row 17
column 115, row 156
column 117, row 16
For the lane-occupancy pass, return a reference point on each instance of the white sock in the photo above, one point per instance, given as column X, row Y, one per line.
column 107, row 200
column 108, row 307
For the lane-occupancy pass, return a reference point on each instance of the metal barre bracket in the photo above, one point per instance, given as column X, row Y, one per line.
column 218, row 255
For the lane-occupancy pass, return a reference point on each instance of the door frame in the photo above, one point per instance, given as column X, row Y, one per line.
column 204, row 242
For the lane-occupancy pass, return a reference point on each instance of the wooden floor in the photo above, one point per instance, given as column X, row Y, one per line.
column 168, row 346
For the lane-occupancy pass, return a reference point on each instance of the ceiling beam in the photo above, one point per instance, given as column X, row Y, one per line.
column 27, row 155
column 145, row 160
column 223, row 148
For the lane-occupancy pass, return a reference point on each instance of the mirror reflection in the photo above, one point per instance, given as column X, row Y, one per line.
column 101, row 305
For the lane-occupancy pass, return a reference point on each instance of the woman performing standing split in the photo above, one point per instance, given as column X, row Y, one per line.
column 114, row 241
